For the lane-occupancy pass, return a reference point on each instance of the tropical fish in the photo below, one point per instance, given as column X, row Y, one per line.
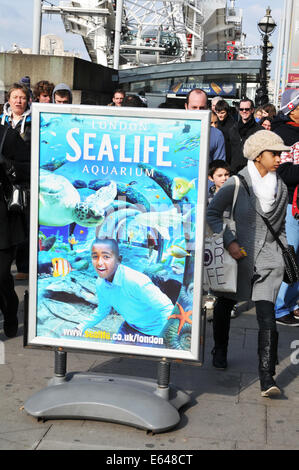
column 61, row 267
column 72, row 240
column 188, row 144
column 45, row 244
column 178, row 252
column 54, row 164
column 181, row 186
column 189, row 162
column 161, row 221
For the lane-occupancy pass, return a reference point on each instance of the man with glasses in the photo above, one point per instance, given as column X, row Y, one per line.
column 247, row 124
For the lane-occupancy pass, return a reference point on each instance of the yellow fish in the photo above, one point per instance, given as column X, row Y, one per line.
column 72, row 240
column 178, row 252
column 61, row 267
column 181, row 186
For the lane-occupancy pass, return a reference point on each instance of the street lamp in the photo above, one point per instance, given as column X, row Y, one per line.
column 266, row 27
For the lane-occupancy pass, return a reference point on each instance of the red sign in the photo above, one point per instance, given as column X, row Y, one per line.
column 230, row 50
column 293, row 78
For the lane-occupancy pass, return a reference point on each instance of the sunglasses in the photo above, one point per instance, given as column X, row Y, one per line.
column 245, row 109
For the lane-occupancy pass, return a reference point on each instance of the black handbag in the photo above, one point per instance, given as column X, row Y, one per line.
column 16, row 196
column 291, row 268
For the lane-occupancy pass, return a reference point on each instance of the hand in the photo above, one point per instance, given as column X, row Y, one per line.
column 235, row 251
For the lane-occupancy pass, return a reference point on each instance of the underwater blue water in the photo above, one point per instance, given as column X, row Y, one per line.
column 145, row 157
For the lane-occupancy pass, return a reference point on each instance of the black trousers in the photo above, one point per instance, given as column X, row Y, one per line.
column 7, row 290
column 222, row 313
column 22, row 251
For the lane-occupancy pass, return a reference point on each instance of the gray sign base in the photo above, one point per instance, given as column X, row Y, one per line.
column 127, row 400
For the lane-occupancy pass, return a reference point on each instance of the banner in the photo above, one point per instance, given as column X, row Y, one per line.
column 117, row 220
column 225, row 89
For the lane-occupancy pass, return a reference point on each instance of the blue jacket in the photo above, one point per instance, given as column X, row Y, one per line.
column 217, row 145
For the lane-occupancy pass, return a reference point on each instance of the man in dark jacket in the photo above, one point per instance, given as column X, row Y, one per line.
column 286, row 125
column 15, row 159
column 228, row 126
column 247, row 125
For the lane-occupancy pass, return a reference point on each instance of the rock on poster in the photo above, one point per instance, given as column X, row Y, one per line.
column 115, row 215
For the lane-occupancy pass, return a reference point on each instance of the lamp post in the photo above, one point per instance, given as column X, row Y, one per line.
column 266, row 27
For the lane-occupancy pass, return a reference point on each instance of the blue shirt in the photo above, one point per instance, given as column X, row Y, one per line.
column 134, row 296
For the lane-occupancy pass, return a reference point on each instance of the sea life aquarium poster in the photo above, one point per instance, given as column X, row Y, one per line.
column 116, row 226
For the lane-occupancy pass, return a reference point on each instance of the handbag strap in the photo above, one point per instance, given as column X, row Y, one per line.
column 236, row 192
column 274, row 234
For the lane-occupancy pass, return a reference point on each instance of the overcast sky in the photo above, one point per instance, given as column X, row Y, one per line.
column 16, row 21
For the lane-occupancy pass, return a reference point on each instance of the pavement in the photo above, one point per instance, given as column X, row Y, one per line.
column 225, row 412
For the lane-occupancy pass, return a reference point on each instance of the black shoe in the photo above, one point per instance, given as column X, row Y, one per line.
column 288, row 320
column 268, row 385
column 219, row 358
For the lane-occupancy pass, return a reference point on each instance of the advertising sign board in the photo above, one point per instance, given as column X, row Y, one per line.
column 118, row 198
column 225, row 89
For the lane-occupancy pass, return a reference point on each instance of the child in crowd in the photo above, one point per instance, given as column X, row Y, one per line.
column 132, row 294
column 219, row 172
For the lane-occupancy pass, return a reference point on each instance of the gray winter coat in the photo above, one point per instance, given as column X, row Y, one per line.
column 261, row 272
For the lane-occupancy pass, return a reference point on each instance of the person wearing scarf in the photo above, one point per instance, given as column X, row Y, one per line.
column 17, row 111
column 17, row 114
column 261, row 266
column 287, row 127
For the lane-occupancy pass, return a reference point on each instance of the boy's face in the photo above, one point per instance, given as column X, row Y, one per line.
column 221, row 115
column 104, row 261
column 219, row 177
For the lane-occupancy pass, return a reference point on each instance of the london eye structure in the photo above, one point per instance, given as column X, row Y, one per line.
column 150, row 31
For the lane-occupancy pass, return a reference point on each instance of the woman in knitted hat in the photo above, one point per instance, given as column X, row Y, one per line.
column 260, row 266
column 287, row 127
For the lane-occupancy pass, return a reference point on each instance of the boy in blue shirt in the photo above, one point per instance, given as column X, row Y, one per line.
column 144, row 307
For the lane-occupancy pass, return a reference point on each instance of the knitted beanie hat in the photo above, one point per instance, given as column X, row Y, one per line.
column 261, row 141
column 289, row 100
column 25, row 81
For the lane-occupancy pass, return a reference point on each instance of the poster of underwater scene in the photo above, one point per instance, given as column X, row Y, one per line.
column 117, row 217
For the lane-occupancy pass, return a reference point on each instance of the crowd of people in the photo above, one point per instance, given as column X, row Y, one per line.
column 260, row 144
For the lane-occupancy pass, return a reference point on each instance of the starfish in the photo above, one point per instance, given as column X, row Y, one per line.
column 182, row 316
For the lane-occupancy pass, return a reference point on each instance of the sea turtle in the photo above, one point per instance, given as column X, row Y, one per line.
column 59, row 202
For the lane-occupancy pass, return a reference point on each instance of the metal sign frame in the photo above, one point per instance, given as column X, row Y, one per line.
column 49, row 120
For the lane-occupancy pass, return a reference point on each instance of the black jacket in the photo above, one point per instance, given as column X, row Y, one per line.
column 233, row 147
column 16, row 154
column 289, row 132
column 247, row 129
